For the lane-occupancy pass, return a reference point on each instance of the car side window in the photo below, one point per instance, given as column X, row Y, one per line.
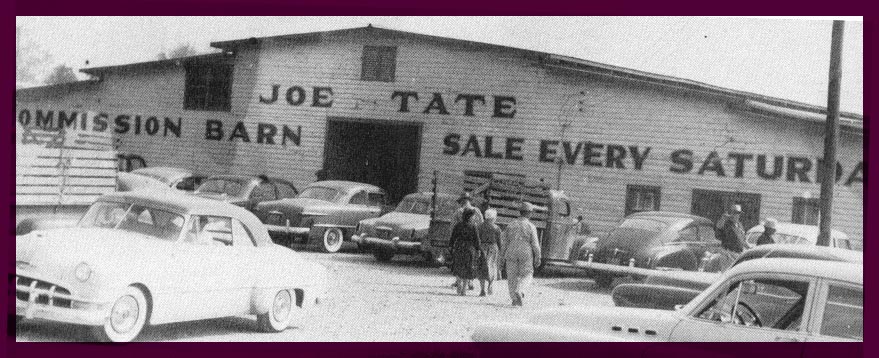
column 241, row 236
column 376, row 199
column 687, row 234
column 285, row 190
column 189, row 184
column 768, row 303
column 265, row 191
column 844, row 313
column 210, row 230
column 359, row 198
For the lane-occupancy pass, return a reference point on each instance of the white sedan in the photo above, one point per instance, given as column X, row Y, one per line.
column 783, row 300
column 145, row 258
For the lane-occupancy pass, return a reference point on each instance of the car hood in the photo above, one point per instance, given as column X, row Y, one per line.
column 56, row 253
column 402, row 221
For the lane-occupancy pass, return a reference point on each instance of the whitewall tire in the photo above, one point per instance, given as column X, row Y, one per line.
column 128, row 317
column 332, row 240
column 280, row 312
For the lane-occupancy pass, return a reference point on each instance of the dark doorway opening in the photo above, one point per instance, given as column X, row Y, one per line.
column 381, row 153
column 712, row 204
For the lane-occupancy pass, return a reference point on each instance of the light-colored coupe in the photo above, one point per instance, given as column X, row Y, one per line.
column 144, row 258
column 763, row 300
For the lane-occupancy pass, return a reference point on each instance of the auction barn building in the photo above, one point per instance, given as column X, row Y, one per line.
column 390, row 107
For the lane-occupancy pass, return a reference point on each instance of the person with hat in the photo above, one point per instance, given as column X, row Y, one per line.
column 464, row 244
column 768, row 230
column 466, row 202
column 730, row 231
column 521, row 252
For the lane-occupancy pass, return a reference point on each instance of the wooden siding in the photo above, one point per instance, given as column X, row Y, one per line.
column 611, row 112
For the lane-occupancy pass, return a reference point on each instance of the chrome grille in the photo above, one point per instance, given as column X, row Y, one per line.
column 385, row 234
column 47, row 293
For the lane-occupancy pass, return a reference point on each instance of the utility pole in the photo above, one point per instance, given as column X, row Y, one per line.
column 831, row 134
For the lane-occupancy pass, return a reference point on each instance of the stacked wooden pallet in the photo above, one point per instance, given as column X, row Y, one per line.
column 63, row 167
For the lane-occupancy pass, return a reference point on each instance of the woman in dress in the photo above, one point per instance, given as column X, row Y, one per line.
column 490, row 243
column 465, row 251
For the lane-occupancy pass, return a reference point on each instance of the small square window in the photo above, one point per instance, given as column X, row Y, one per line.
column 379, row 63
column 806, row 211
column 208, row 87
column 641, row 198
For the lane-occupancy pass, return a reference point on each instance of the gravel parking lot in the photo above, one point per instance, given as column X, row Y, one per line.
column 404, row 300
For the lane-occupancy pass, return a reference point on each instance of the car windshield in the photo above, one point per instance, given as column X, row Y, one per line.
column 321, row 193
column 413, row 206
column 140, row 219
column 229, row 187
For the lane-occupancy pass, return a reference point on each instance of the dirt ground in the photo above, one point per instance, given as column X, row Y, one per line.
column 404, row 300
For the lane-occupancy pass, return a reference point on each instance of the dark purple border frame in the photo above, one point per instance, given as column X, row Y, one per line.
column 453, row 7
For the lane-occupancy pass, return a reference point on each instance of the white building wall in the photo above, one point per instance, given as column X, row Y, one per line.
column 612, row 112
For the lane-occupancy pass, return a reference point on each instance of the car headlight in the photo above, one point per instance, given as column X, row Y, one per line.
column 83, row 272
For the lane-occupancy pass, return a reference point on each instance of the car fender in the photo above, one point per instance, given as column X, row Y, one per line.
column 675, row 257
column 529, row 332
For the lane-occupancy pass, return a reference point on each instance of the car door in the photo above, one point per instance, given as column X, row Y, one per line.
column 209, row 268
column 839, row 313
column 758, row 307
column 361, row 208
column 708, row 242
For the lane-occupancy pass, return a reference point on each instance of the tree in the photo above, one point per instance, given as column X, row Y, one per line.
column 30, row 60
column 61, row 74
column 183, row 50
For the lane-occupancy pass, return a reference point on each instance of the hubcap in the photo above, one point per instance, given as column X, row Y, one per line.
column 333, row 238
column 281, row 306
column 124, row 314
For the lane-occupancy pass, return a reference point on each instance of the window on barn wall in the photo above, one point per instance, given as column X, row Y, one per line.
column 806, row 211
column 379, row 63
column 641, row 198
column 208, row 87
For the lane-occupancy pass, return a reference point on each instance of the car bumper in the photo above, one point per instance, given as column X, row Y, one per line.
column 393, row 244
column 288, row 230
column 41, row 304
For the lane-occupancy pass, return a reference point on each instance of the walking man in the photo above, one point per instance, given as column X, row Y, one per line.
column 521, row 252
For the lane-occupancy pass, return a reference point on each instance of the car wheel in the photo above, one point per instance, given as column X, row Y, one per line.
column 332, row 240
column 383, row 255
column 604, row 280
column 128, row 317
column 279, row 315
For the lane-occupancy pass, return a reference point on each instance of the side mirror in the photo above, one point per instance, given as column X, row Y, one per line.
column 678, row 307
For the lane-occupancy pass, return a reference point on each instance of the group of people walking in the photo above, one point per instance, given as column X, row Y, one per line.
column 479, row 248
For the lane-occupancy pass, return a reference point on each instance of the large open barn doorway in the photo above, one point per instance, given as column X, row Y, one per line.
column 381, row 153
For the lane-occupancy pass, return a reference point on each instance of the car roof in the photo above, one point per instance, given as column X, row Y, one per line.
column 668, row 216
column 429, row 195
column 834, row 270
column 805, row 252
column 192, row 205
column 344, row 185
column 809, row 232
column 163, row 171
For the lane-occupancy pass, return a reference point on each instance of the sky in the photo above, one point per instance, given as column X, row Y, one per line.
column 781, row 57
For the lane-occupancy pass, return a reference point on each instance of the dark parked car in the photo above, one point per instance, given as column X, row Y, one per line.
column 404, row 230
column 325, row 213
column 650, row 240
column 177, row 178
column 245, row 190
column 666, row 290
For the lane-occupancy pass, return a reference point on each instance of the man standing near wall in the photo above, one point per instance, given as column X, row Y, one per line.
column 730, row 230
